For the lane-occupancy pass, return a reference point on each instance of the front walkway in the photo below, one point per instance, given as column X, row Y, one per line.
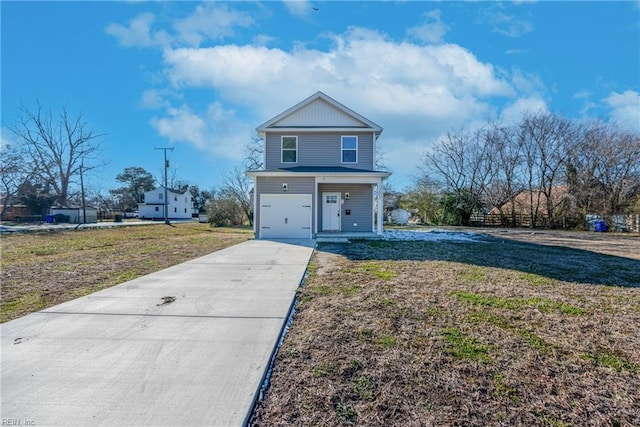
column 188, row 345
column 340, row 236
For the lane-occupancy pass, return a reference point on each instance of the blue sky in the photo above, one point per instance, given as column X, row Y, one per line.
column 200, row 77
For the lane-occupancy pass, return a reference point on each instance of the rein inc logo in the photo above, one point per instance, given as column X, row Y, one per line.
column 17, row 422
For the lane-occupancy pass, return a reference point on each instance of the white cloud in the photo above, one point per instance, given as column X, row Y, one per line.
column 211, row 21
column 153, row 99
column 516, row 51
column 582, row 94
column 262, row 40
column 436, row 82
column 503, row 23
column 418, row 92
column 216, row 131
column 526, row 82
column 625, row 108
column 532, row 104
column 208, row 21
column 138, row 33
column 299, row 8
column 432, row 30
column 7, row 138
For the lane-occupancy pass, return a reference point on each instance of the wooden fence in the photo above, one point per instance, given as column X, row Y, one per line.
column 497, row 220
column 625, row 223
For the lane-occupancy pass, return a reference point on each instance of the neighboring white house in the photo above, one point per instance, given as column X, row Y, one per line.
column 179, row 205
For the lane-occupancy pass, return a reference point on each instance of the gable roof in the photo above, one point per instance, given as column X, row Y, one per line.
column 319, row 112
column 169, row 190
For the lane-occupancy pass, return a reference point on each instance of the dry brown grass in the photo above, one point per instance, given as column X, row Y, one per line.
column 498, row 332
column 43, row 269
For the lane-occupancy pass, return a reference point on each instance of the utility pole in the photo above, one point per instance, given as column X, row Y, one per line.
column 84, row 203
column 166, row 166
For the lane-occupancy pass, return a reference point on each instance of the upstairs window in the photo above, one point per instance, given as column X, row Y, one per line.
column 349, row 149
column 289, row 149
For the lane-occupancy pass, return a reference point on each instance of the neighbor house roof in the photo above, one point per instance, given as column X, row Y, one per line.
column 522, row 201
column 169, row 190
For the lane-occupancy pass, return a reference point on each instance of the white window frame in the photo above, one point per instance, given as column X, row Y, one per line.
column 282, row 149
column 342, row 149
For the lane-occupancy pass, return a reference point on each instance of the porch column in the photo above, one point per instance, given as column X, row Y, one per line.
column 380, row 206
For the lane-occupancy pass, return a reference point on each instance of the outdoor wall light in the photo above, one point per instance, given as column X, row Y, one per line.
column 346, row 196
column 285, row 187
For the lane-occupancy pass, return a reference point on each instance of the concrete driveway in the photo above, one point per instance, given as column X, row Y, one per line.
column 126, row 356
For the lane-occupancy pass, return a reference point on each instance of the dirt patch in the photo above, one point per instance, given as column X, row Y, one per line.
column 623, row 245
column 497, row 332
column 43, row 269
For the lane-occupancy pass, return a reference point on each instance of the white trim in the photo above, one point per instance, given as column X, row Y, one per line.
column 374, row 147
column 288, row 149
column 342, row 179
column 315, row 130
column 315, row 204
column 255, row 205
column 327, row 177
column 380, row 206
column 342, row 137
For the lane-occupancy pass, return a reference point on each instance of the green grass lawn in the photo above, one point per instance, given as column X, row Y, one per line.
column 43, row 269
column 439, row 333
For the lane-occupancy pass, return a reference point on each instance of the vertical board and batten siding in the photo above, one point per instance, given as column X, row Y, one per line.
column 360, row 203
column 320, row 114
column 320, row 150
column 295, row 185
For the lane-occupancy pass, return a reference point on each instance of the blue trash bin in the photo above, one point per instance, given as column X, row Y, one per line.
column 49, row 219
column 601, row 226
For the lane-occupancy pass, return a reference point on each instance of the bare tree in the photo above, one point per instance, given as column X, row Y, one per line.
column 604, row 174
column 56, row 148
column 12, row 175
column 237, row 186
column 504, row 182
column 464, row 162
column 254, row 154
column 548, row 140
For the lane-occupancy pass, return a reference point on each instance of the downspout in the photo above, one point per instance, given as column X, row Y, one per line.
column 374, row 150
column 255, row 206
column 315, row 205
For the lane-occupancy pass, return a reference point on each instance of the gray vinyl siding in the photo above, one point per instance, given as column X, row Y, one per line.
column 360, row 203
column 295, row 185
column 320, row 150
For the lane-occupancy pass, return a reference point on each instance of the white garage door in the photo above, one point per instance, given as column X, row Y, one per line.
column 285, row 216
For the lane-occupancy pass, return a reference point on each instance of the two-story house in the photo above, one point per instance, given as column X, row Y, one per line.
column 319, row 174
column 179, row 205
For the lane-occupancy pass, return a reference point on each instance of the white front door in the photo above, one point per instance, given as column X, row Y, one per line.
column 330, row 211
